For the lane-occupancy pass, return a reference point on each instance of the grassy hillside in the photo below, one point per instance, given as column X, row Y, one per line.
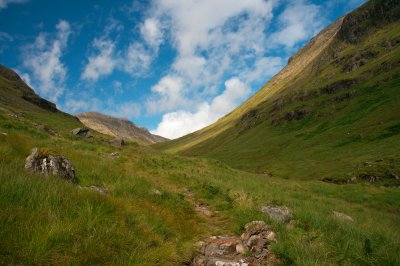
column 46, row 220
column 336, row 116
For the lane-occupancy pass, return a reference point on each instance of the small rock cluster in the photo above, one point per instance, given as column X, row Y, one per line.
column 47, row 164
column 251, row 248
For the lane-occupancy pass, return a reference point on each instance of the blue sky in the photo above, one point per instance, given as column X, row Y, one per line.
column 173, row 66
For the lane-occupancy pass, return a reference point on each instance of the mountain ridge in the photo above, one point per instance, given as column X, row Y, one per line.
column 118, row 127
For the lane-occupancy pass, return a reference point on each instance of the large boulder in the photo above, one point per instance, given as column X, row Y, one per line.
column 281, row 214
column 82, row 132
column 39, row 162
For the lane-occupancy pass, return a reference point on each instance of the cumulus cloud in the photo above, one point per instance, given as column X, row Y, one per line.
column 43, row 61
column 168, row 94
column 152, row 32
column 102, row 63
column 4, row 3
column 181, row 122
column 298, row 22
column 135, row 59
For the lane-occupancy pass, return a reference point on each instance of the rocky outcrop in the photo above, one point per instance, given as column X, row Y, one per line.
column 42, row 163
column 376, row 12
column 281, row 214
column 82, row 132
column 119, row 128
column 251, row 248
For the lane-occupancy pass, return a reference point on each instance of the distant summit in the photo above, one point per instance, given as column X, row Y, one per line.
column 118, row 127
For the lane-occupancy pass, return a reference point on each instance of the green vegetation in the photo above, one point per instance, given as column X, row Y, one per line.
column 327, row 122
column 46, row 220
column 339, row 112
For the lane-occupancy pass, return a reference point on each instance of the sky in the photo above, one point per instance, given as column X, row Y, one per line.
column 173, row 66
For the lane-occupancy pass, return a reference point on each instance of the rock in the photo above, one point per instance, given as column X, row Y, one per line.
column 115, row 155
column 82, row 132
column 46, row 129
column 42, row 163
column 369, row 177
column 221, row 246
column 241, row 249
column 343, row 216
column 156, row 192
column 281, row 214
column 117, row 142
column 271, row 236
column 252, row 248
column 353, row 179
column 97, row 188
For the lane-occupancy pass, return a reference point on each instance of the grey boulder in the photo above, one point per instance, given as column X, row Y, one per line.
column 48, row 164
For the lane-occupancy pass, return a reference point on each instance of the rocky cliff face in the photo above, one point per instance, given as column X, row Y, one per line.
column 118, row 127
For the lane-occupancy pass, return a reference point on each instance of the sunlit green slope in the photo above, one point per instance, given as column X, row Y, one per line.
column 334, row 107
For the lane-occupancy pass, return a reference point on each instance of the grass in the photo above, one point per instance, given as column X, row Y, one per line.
column 46, row 220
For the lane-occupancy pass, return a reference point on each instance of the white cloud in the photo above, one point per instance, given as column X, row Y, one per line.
column 101, row 64
column 152, row 32
column 298, row 22
column 137, row 59
column 168, row 94
column 43, row 60
column 4, row 3
column 181, row 122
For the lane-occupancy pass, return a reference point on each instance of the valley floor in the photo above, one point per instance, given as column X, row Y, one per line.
column 160, row 205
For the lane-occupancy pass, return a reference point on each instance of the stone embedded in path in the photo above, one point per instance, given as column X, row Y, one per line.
column 43, row 163
column 281, row 214
column 251, row 248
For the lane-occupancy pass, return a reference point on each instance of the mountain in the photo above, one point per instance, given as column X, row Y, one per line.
column 14, row 91
column 333, row 108
column 118, row 127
